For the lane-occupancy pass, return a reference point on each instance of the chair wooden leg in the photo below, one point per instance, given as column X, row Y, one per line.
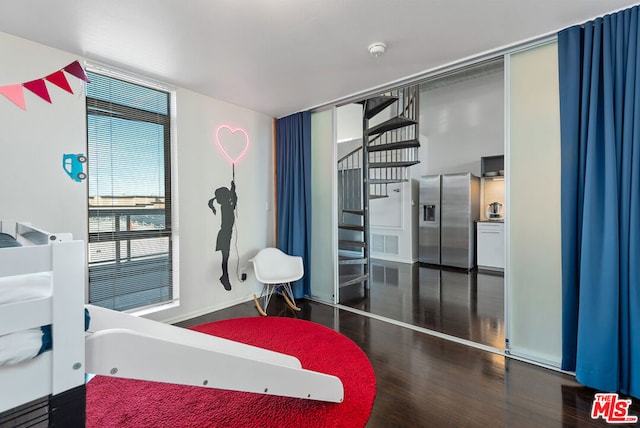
column 290, row 303
column 258, row 307
column 287, row 293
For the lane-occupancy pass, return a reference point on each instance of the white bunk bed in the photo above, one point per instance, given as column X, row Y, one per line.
column 118, row 344
column 42, row 279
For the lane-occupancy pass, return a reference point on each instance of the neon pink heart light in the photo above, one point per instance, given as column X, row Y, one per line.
column 232, row 142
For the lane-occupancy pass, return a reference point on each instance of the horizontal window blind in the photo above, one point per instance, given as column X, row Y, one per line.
column 129, row 174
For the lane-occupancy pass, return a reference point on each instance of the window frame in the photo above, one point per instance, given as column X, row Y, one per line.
column 97, row 107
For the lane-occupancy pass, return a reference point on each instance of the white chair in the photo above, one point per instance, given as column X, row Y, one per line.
column 276, row 269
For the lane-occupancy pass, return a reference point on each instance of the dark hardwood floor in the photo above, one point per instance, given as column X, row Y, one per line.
column 466, row 305
column 426, row 381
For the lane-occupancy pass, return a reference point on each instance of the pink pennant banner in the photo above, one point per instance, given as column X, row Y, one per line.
column 60, row 80
column 39, row 88
column 14, row 94
column 75, row 69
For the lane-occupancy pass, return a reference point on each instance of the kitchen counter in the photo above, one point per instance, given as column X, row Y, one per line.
column 489, row 221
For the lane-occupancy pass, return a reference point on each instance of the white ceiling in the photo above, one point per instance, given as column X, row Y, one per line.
column 283, row 56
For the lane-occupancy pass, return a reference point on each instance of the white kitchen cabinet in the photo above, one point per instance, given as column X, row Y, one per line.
column 490, row 242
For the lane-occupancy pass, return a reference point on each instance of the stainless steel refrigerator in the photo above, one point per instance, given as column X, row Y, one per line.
column 449, row 208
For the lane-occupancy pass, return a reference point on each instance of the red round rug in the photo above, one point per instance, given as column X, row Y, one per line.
column 114, row 402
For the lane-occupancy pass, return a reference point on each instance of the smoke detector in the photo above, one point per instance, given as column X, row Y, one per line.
column 377, row 49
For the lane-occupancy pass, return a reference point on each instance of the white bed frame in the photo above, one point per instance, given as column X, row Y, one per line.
column 122, row 345
column 62, row 368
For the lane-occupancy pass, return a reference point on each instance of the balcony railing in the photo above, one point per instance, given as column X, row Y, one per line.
column 129, row 257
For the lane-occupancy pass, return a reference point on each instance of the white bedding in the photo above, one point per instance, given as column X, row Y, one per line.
column 23, row 345
column 20, row 288
column 20, row 346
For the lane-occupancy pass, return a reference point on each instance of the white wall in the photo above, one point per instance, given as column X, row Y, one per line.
column 348, row 129
column 34, row 187
column 349, row 118
column 460, row 123
column 201, row 169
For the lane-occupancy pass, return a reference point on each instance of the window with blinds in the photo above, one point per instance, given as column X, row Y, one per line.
column 129, row 175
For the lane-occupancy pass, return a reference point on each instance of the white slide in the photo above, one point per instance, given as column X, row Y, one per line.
column 126, row 346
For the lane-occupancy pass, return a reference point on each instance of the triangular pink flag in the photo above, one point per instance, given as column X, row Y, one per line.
column 60, row 80
column 76, row 70
column 39, row 88
column 14, row 94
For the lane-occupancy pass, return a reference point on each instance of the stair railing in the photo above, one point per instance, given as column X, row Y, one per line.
column 407, row 107
column 350, row 181
column 365, row 172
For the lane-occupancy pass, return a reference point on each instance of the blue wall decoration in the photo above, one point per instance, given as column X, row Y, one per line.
column 73, row 165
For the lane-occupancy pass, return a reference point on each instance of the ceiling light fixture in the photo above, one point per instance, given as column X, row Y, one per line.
column 377, row 49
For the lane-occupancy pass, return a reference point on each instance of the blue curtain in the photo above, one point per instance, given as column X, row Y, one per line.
column 293, row 191
column 599, row 66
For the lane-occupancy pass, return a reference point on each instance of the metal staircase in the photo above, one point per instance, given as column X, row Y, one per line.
column 389, row 147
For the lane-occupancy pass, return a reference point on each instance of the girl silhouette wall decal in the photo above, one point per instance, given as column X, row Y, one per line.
column 227, row 198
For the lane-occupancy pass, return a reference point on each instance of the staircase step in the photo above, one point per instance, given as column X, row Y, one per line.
column 391, row 124
column 345, row 280
column 375, row 105
column 407, row 144
column 351, row 260
column 387, row 180
column 356, row 212
column 401, row 164
column 351, row 227
column 345, row 243
column 378, row 196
